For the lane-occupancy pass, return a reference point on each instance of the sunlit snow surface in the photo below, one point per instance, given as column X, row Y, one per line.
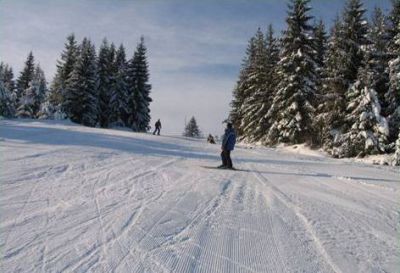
column 77, row 199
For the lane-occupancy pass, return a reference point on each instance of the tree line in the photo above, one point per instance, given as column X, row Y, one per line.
column 103, row 89
column 339, row 91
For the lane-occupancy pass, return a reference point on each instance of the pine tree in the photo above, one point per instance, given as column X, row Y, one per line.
column 105, row 65
column 50, row 111
column 6, row 103
column 272, row 52
column 355, row 29
column 365, row 130
column 65, row 65
column 396, row 159
column 33, row 96
column 394, row 21
column 7, row 77
column 26, row 77
column 256, row 88
column 81, row 90
column 40, row 82
column 292, row 111
column 192, row 129
column 47, row 110
column 236, row 114
column 262, row 79
column 369, row 130
column 332, row 108
column 345, row 57
column 119, row 97
column 393, row 95
column 26, row 108
column 7, row 88
column 138, row 77
column 2, row 70
column 377, row 55
column 321, row 40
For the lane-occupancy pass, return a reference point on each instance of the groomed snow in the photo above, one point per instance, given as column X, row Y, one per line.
column 78, row 199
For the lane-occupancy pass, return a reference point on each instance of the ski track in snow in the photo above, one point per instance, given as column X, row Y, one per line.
column 78, row 199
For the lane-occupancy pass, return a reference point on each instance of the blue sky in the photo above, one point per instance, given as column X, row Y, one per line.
column 194, row 47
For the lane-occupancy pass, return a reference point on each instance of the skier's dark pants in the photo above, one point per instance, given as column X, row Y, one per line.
column 226, row 158
column 156, row 130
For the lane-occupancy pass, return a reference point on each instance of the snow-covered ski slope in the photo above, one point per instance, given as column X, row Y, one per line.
column 77, row 199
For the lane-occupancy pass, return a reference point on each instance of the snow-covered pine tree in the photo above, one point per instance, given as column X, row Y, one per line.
column 236, row 113
column 393, row 22
column 138, row 79
column 7, row 88
column 65, row 65
column 255, row 89
column 369, row 130
column 105, row 68
column 27, row 102
column 344, row 59
column 2, row 71
column 49, row 111
column 25, row 78
column 393, row 95
column 345, row 53
column 192, row 129
column 396, row 159
column 365, row 130
column 34, row 96
column 39, row 80
column 119, row 97
column 272, row 51
column 292, row 112
column 331, row 106
column 6, row 103
column 7, row 77
column 378, row 56
column 261, row 83
column 321, row 41
column 81, row 90
column 354, row 39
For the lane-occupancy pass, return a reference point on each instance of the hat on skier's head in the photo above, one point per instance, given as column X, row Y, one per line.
column 228, row 123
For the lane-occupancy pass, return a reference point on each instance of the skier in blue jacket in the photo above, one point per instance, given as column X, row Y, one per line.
column 228, row 144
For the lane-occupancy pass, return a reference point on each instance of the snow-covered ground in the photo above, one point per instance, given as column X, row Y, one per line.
column 77, row 199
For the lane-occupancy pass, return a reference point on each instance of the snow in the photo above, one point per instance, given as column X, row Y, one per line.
column 79, row 199
column 369, row 143
column 299, row 53
column 301, row 149
column 381, row 159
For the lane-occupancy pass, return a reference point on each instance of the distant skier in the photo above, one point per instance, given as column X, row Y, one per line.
column 210, row 139
column 158, row 127
column 228, row 144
